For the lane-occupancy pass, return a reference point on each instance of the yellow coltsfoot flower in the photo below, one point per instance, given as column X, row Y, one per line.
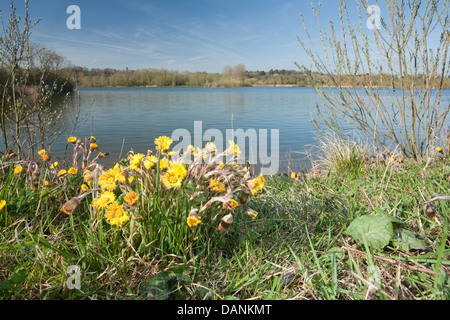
column 193, row 219
column 233, row 148
column 171, row 179
column 136, row 160
column 61, row 173
column 109, row 179
column 104, row 199
column 131, row 198
column 18, row 169
column 216, row 186
column 163, row 143
column 72, row 140
column 116, row 215
column 178, row 169
column 256, row 185
column 93, row 146
column 233, row 203
column 150, row 162
column 163, row 165
column 175, row 174
column 44, row 155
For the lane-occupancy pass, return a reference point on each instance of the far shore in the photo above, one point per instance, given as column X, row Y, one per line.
column 156, row 86
column 245, row 86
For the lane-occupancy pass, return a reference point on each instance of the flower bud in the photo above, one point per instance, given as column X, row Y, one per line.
column 10, row 154
column 244, row 197
column 93, row 147
column 251, row 213
column 70, row 206
column 429, row 210
column 72, row 139
column 88, row 176
column 225, row 223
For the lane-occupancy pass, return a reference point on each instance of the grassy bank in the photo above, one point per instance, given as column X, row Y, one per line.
column 358, row 226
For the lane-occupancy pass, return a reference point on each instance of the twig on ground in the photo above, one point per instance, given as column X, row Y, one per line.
column 392, row 261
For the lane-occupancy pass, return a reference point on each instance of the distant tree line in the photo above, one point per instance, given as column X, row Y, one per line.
column 45, row 71
column 230, row 77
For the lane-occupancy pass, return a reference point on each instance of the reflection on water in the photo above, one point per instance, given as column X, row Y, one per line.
column 132, row 118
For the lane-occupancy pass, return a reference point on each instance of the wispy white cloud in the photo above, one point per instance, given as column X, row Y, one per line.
column 197, row 58
column 197, row 36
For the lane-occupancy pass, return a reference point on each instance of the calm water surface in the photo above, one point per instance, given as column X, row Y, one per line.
column 131, row 118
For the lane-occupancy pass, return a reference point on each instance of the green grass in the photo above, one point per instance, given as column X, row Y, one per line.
column 298, row 247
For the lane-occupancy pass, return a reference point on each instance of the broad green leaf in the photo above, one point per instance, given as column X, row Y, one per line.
column 376, row 230
column 407, row 240
column 18, row 277
column 6, row 285
column 163, row 286
column 179, row 272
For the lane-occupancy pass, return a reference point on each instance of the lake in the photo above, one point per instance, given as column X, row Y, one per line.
column 132, row 118
column 276, row 121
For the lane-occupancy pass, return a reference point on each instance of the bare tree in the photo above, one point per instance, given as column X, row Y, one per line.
column 233, row 76
column 14, row 54
column 392, row 58
column 28, row 117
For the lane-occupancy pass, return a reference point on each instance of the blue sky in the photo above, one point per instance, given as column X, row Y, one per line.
column 187, row 35
column 192, row 35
